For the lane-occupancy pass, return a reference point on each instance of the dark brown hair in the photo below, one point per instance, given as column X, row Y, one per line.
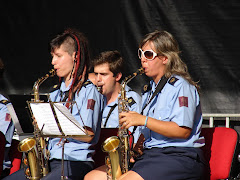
column 74, row 41
column 114, row 60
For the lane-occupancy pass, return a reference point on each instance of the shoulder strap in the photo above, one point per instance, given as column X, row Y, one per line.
column 159, row 88
column 5, row 102
column 109, row 113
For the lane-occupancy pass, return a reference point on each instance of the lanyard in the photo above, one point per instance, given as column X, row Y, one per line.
column 158, row 89
column 109, row 113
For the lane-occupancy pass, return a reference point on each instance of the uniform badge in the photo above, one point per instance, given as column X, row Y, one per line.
column 90, row 104
column 8, row 117
column 146, row 88
column 55, row 86
column 87, row 83
column 131, row 101
column 5, row 102
column 183, row 101
column 173, row 80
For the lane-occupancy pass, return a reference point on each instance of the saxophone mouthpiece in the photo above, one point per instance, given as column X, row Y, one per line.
column 99, row 88
column 141, row 70
column 52, row 72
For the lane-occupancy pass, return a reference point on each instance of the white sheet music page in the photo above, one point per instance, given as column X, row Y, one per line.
column 14, row 118
column 45, row 118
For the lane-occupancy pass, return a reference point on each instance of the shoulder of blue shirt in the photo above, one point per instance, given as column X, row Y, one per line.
column 4, row 101
column 57, row 86
column 173, row 81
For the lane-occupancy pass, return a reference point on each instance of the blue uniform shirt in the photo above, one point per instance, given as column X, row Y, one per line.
column 89, row 104
column 178, row 102
column 7, row 128
column 6, row 124
column 134, row 100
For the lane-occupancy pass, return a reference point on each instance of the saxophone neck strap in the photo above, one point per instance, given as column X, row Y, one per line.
column 109, row 113
column 158, row 89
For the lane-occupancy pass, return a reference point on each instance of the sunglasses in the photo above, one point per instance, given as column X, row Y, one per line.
column 148, row 54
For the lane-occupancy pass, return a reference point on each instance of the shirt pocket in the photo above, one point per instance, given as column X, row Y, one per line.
column 162, row 115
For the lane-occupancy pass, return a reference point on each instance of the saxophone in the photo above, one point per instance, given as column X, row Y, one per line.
column 118, row 147
column 35, row 147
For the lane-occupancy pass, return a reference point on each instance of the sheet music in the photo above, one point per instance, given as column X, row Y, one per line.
column 47, row 123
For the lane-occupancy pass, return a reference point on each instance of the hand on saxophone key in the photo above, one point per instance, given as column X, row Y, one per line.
column 131, row 118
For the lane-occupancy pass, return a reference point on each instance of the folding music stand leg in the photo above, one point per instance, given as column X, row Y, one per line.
column 62, row 173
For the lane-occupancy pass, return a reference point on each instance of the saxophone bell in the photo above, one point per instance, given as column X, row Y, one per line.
column 28, row 147
column 35, row 147
column 111, row 146
column 118, row 147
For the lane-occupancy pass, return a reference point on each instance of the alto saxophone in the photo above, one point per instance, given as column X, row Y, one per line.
column 118, row 147
column 35, row 147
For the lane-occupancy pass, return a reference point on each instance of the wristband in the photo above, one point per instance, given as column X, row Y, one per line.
column 145, row 125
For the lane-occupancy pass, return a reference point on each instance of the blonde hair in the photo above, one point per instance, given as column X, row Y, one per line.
column 165, row 44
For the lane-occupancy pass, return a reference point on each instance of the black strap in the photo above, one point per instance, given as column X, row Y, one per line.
column 109, row 113
column 65, row 96
column 158, row 89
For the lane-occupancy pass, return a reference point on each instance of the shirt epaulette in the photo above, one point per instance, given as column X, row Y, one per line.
column 5, row 102
column 131, row 101
column 146, row 88
column 87, row 83
column 173, row 80
column 54, row 87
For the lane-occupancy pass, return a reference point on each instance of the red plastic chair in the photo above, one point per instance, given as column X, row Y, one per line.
column 15, row 156
column 221, row 152
column 2, row 148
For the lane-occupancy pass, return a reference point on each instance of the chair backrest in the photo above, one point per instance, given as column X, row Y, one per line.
column 2, row 149
column 99, row 156
column 220, row 151
column 15, row 156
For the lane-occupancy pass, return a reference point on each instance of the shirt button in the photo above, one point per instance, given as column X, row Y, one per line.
column 160, row 117
column 110, row 126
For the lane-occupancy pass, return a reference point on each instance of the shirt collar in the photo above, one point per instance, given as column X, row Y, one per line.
column 63, row 86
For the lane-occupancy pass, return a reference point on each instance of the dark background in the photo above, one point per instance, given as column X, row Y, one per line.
column 207, row 32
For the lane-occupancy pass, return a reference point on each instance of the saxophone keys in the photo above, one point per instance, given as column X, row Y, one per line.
column 25, row 161
column 27, row 172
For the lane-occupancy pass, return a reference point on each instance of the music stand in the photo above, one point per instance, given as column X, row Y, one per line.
column 20, row 114
column 55, row 120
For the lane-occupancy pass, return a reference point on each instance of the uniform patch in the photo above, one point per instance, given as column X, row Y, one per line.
column 172, row 80
column 91, row 103
column 87, row 83
column 8, row 117
column 183, row 101
column 146, row 88
column 131, row 101
column 54, row 87
column 5, row 102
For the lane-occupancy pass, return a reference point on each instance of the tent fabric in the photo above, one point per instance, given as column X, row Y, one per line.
column 207, row 32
